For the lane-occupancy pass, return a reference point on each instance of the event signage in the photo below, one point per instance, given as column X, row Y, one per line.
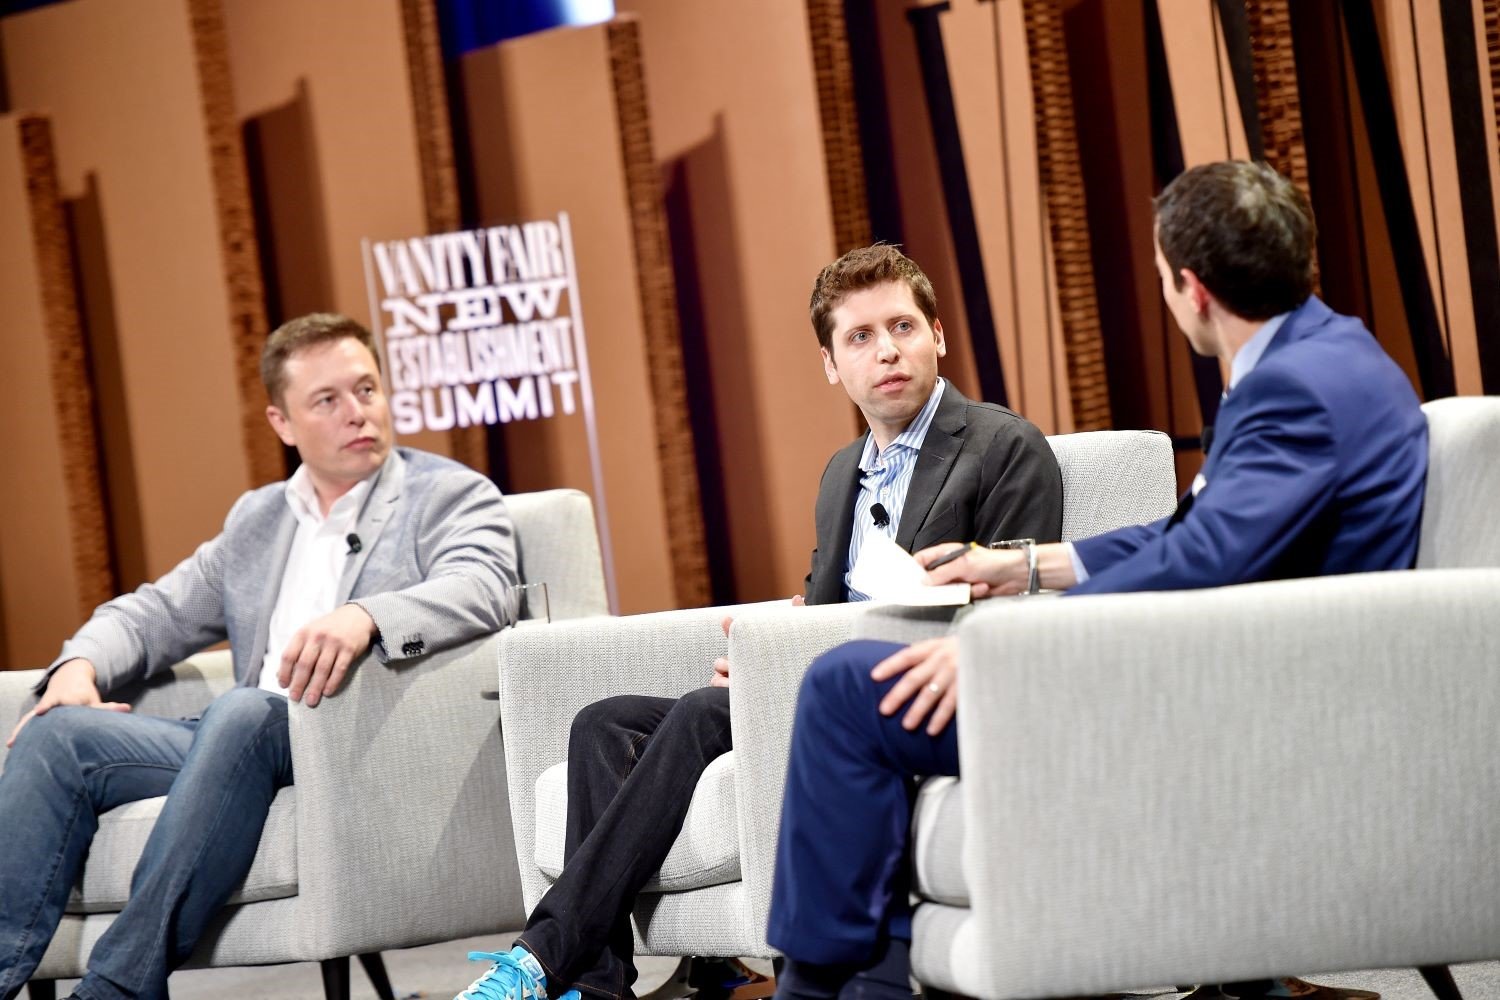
column 481, row 327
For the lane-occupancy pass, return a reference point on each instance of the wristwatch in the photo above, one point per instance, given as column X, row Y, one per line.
column 1029, row 544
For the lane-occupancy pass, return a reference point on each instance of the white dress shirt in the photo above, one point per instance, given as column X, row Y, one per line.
column 314, row 566
column 885, row 477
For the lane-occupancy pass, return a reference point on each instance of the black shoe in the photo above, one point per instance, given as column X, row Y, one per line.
column 1283, row 988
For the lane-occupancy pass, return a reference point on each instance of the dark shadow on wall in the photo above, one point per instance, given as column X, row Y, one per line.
column 715, row 349
column 1092, row 63
column 103, row 364
column 290, row 228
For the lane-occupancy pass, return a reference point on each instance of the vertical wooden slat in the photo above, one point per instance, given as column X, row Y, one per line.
column 1492, row 46
column 839, row 117
column 658, row 296
column 429, row 92
column 77, row 439
column 1276, row 89
column 1062, row 188
column 236, row 225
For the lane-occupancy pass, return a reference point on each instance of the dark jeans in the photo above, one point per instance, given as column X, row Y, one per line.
column 839, row 899
column 633, row 763
column 219, row 773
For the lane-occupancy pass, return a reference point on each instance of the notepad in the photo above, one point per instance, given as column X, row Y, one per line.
column 887, row 572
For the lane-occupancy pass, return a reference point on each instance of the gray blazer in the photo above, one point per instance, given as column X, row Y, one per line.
column 984, row 474
column 437, row 560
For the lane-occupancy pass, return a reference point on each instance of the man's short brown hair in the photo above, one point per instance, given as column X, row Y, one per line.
column 865, row 268
column 298, row 335
column 1247, row 233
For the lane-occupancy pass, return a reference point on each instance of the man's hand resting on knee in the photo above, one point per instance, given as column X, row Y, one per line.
column 930, row 683
column 70, row 684
column 319, row 654
column 720, row 679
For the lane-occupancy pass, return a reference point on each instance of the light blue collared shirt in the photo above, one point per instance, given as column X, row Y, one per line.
column 884, row 478
column 1243, row 363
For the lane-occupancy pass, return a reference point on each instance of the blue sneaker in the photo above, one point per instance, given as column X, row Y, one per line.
column 516, row 975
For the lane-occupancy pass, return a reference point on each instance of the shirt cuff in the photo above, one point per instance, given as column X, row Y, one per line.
column 1080, row 572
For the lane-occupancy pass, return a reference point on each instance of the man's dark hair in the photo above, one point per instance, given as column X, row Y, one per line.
column 1247, row 233
column 861, row 269
column 298, row 335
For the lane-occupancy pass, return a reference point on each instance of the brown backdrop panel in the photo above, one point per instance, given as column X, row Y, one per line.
column 972, row 43
column 918, row 186
column 1210, row 127
column 1108, row 57
column 125, row 90
column 839, row 118
column 734, row 116
column 54, row 553
column 546, row 139
column 984, row 45
column 1433, row 142
column 324, row 96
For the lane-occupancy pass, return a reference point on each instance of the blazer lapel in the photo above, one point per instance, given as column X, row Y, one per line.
column 836, row 525
column 376, row 514
column 934, row 462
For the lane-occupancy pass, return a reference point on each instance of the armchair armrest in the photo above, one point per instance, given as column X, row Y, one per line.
column 1224, row 784
column 549, row 672
column 402, row 816
column 15, row 700
column 769, row 652
column 896, row 623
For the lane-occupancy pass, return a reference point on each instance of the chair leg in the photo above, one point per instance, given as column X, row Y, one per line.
column 374, row 967
column 42, row 989
column 336, row 978
column 1440, row 981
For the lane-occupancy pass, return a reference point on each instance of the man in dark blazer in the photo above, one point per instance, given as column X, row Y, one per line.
column 1318, row 466
column 933, row 467
column 367, row 548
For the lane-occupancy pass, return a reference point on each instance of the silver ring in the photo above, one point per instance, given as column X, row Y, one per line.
column 933, row 687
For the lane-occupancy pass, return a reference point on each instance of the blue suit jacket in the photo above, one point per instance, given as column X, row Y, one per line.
column 1318, row 466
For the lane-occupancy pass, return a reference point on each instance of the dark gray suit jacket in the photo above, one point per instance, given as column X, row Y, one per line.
column 984, row 474
column 437, row 559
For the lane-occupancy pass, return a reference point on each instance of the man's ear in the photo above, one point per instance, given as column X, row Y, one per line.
column 1197, row 291
column 937, row 334
column 830, row 369
column 281, row 426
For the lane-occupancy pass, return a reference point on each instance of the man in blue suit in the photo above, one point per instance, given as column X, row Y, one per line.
column 1319, row 467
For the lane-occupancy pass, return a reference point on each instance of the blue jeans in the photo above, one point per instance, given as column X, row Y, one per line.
column 219, row 773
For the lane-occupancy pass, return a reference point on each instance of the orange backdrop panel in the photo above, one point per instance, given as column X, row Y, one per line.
column 123, row 91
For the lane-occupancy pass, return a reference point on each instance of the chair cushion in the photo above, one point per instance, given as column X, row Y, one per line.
column 937, row 830
column 706, row 852
column 121, row 838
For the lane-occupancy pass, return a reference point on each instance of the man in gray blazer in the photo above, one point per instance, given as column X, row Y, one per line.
column 933, row 466
column 365, row 549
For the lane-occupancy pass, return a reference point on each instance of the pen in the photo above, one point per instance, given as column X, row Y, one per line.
column 945, row 560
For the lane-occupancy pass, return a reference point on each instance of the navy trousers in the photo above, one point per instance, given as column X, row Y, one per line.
column 842, row 861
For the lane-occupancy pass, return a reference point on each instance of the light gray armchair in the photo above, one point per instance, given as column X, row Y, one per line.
column 713, row 893
column 398, row 793
column 1228, row 784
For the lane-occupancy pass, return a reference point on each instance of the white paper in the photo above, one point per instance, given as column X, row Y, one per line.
column 886, row 572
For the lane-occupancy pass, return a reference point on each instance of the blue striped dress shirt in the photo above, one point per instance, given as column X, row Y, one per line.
column 884, row 479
